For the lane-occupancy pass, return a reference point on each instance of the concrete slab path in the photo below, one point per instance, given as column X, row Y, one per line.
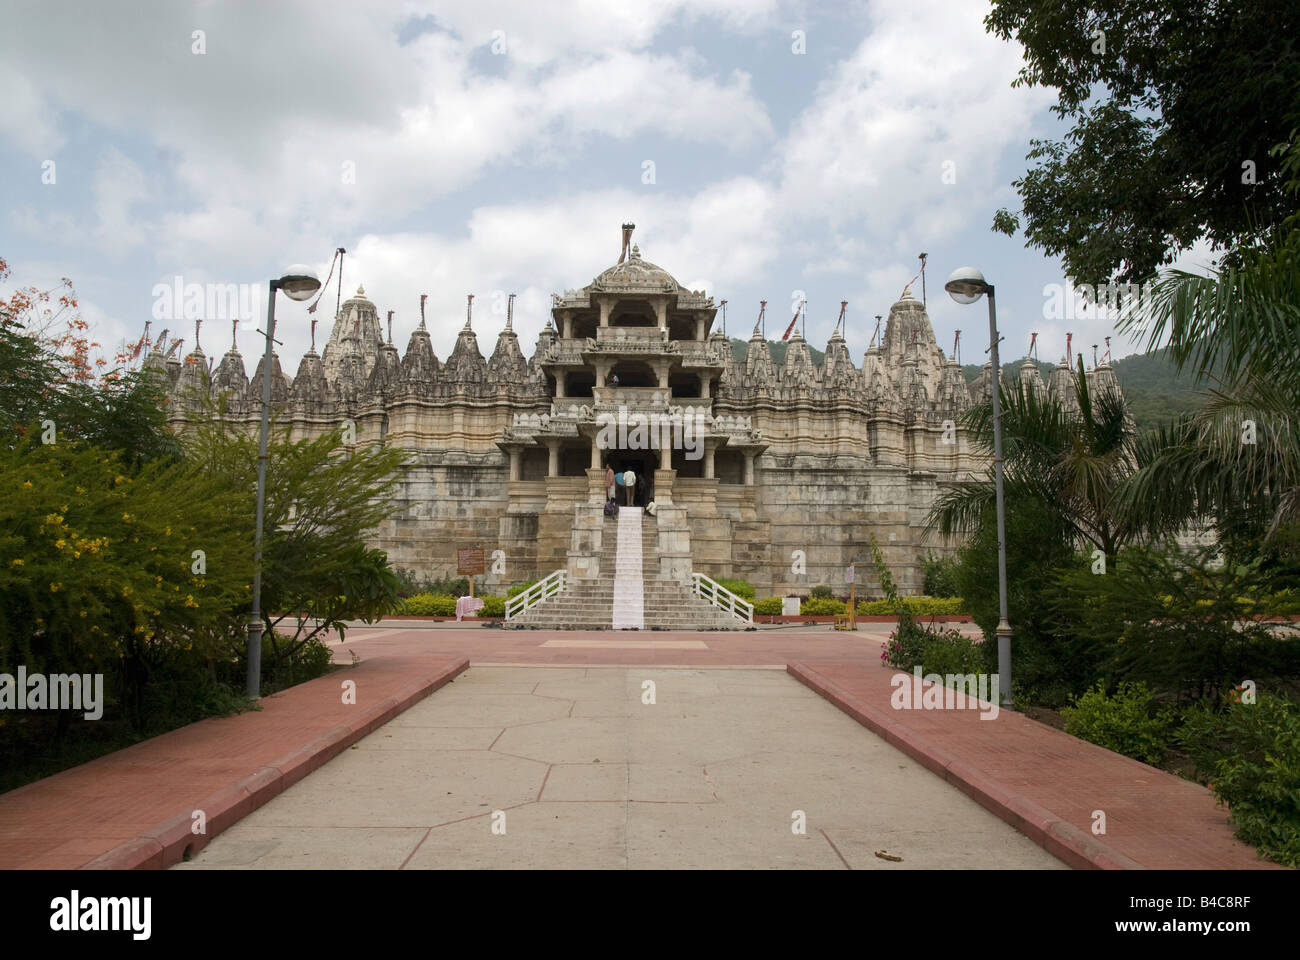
column 575, row 770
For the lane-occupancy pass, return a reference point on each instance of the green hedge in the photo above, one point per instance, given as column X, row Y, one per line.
column 821, row 607
column 519, row 588
column 741, row 588
column 767, row 607
column 493, row 606
column 918, row 606
column 429, row 605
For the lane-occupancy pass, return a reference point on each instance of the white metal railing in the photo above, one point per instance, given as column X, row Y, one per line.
column 715, row 593
column 539, row 592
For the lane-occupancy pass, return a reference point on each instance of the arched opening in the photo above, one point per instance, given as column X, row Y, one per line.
column 633, row 313
column 684, row 385
column 580, row 383
column 634, row 373
column 681, row 327
column 643, row 464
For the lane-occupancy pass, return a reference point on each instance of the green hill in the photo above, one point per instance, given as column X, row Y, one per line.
column 1154, row 389
column 740, row 347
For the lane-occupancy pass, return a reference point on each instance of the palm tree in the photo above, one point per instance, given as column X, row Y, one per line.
column 1239, row 325
column 1071, row 463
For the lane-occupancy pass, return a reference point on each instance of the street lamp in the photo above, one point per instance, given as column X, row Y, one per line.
column 966, row 285
column 298, row 283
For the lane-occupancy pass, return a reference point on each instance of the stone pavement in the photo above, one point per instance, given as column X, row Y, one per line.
column 580, row 772
column 133, row 808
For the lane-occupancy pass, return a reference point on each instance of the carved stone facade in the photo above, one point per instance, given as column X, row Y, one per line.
column 779, row 475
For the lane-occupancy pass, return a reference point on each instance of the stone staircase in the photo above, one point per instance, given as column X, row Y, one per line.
column 663, row 604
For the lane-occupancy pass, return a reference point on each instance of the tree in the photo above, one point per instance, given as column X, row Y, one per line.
column 1239, row 325
column 1072, row 464
column 1175, row 105
column 322, row 502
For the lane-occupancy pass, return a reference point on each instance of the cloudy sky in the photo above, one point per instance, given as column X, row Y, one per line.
column 489, row 147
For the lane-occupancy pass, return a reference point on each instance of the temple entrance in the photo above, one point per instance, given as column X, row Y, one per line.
column 643, row 463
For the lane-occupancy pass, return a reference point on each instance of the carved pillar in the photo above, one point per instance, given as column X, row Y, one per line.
column 709, row 450
column 605, row 306
column 566, row 326
column 560, row 385
column 661, row 312
column 704, row 385
column 515, row 457
column 749, row 469
column 699, row 327
column 662, row 369
column 595, row 452
column 553, row 464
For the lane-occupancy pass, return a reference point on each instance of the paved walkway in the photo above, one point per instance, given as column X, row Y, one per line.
column 585, row 774
column 629, row 590
column 135, row 807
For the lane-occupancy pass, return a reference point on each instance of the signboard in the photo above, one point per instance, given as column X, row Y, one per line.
column 469, row 561
column 790, row 606
column 848, row 577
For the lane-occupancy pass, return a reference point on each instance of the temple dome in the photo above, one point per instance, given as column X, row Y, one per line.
column 637, row 276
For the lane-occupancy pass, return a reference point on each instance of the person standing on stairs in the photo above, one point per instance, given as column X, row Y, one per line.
column 629, row 483
column 609, row 481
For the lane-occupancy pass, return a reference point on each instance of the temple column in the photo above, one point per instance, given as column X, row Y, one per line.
column 595, row 452
column 560, row 378
column 662, row 370
column 553, row 464
column 709, row 450
column 704, row 385
column 515, row 458
column 661, row 312
column 566, row 326
column 699, row 327
column 605, row 306
column 749, row 469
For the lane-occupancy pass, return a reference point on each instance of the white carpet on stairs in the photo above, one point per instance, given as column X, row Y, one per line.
column 629, row 591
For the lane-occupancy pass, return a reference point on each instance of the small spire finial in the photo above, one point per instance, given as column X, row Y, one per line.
column 423, row 297
column 469, row 311
column 390, row 328
column 313, row 334
column 234, row 328
column 197, row 324
column 510, row 312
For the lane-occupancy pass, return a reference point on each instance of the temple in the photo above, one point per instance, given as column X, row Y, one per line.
column 777, row 474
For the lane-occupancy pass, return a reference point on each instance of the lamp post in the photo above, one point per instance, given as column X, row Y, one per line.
column 966, row 285
column 298, row 283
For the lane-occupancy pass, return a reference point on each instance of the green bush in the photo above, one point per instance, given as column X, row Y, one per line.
column 917, row 606
column 493, row 606
column 1124, row 723
column 767, row 607
column 741, row 588
column 821, row 607
column 519, row 588
column 1251, row 755
column 429, row 605
column 940, row 576
column 951, row 651
column 821, row 593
